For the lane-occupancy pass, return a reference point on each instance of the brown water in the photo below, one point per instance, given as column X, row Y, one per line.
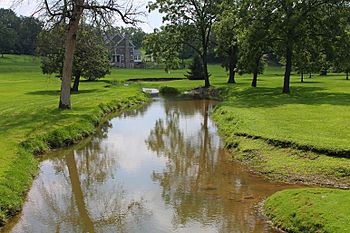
column 158, row 169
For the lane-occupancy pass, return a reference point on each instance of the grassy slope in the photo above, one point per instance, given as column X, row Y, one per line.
column 30, row 121
column 310, row 210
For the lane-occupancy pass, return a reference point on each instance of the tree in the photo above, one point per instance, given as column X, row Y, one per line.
column 193, row 21
column 9, row 24
column 255, row 39
column 291, row 22
column 163, row 46
column 90, row 57
column 28, row 32
column 308, row 58
column 226, row 31
column 342, row 59
column 196, row 69
column 71, row 11
column 18, row 35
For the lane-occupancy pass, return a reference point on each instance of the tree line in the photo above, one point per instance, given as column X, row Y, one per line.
column 18, row 34
column 306, row 35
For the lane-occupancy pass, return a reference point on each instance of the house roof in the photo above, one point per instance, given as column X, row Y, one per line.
column 117, row 39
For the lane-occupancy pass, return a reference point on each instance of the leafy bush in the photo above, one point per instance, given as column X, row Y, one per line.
column 169, row 90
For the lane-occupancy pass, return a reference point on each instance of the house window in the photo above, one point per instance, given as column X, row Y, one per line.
column 113, row 58
column 118, row 58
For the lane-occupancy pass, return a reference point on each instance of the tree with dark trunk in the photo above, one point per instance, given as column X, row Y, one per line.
column 288, row 70
column 254, row 38
column 226, row 30
column 291, row 22
column 256, row 71
column 302, row 76
column 76, row 83
column 193, row 21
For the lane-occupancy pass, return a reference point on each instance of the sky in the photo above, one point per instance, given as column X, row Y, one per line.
column 27, row 8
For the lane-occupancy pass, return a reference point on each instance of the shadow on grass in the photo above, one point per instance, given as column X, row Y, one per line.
column 272, row 97
column 57, row 92
column 45, row 117
column 306, row 82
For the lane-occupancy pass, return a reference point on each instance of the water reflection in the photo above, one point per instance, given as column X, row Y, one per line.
column 158, row 169
column 73, row 193
column 198, row 181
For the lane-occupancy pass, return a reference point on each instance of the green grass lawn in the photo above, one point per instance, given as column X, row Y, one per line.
column 258, row 122
column 310, row 210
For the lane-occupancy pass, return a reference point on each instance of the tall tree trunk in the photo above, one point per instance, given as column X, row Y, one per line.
column 205, row 57
column 232, row 74
column 347, row 75
column 289, row 56
column 255, row 73
column 302, row 76
column 76, row 83
column 205, row 68
column 65, row 102
column 255, row 79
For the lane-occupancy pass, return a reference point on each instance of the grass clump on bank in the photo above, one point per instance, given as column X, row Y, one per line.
column 310, row 210
column 30, row 122
column 165, row 90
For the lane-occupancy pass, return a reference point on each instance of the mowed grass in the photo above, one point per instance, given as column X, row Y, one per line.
column 310, row 210
column 315, row 116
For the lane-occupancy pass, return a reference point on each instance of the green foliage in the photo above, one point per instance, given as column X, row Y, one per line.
column 163, row 45
column 192, row 22
column 9, row 23
column 196, row 69
column 165, row 90
column 227, row 32
column 90, row 58
column 18, row 34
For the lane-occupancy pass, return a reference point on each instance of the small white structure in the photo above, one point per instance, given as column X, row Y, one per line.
column 151, row 91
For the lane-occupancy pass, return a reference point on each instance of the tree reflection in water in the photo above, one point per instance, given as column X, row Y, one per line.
column 194, row 181
column 82, row 199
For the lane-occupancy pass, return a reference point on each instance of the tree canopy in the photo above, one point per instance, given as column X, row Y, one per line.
column 193, row 21
column 91, row 56
column 18, row 35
